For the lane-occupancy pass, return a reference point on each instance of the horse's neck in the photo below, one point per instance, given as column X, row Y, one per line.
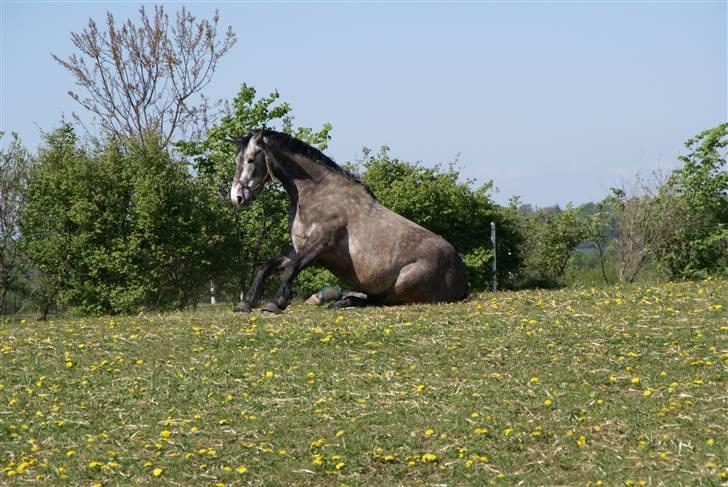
column 301, row 172
column 313, row 181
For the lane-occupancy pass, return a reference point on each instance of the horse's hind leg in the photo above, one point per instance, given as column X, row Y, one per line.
column 413, row 284
column 349, row 302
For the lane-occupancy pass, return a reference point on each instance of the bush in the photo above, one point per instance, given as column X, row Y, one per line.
column 699, row 246
column 116, row 227
column 552, row 236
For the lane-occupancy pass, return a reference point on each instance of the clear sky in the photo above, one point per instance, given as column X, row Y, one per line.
column 554, row 101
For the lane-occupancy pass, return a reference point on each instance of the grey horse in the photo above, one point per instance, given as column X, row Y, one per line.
column 336, row 222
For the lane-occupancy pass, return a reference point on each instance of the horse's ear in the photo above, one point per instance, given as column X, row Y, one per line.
column 260, row 141
column 231, row 139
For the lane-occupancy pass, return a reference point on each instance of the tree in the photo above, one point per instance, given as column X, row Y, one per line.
column 700, row 186
column 552, row 236
column 116, row 227
column 147, row 78
column 646, row 216
column 598, row 225
column 47, row 241
column 15, row 166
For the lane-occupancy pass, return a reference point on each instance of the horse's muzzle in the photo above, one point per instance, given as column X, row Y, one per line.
column 241, row 198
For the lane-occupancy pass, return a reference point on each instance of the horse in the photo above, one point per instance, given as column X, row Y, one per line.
column 335, row 221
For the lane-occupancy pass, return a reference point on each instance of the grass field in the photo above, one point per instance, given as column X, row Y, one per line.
column 620, row 386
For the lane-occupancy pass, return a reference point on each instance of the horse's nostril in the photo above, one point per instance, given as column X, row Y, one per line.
column 240, row 199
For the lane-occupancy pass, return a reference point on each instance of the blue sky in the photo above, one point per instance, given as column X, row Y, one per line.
column 555, row 102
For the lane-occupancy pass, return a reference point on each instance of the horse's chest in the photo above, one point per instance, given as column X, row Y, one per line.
column 301, row 233
column 315, row 231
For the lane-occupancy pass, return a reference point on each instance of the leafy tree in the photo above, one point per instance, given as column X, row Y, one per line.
column 552, row 236
column 598, row 223
column 700, row 243
column 45, row 223
column 148, row 77
column 15, row 166
column 116, row 228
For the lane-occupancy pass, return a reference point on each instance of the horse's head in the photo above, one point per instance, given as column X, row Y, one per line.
column 251, row 172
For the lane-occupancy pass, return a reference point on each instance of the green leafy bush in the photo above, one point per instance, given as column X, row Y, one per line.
column 118, row 227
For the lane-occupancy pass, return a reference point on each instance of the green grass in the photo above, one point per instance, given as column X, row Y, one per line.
column 576, row 386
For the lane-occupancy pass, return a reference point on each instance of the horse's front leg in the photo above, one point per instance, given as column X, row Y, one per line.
column 256, row 288
column 280, row 300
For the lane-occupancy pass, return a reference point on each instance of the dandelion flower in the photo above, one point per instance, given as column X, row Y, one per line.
column 157, row 472
column 429, row 457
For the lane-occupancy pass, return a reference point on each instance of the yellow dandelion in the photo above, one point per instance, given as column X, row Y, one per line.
column 157, row 472
column 317, row 443
column 429, row 457
column 241, row 469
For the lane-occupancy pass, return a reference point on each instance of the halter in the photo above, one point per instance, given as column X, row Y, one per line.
column 268, row 176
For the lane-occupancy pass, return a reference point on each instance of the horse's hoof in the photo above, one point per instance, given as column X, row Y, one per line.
column 242, row 307
column 272, row 308
column 282, row 303
column 341, row 303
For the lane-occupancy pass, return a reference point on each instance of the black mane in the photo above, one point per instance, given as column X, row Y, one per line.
column 288, row 143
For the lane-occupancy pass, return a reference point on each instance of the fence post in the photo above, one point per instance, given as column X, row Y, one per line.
column 212, row 292
column 492, row 239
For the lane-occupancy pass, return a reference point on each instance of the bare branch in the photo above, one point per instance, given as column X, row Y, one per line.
column 147, row 76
